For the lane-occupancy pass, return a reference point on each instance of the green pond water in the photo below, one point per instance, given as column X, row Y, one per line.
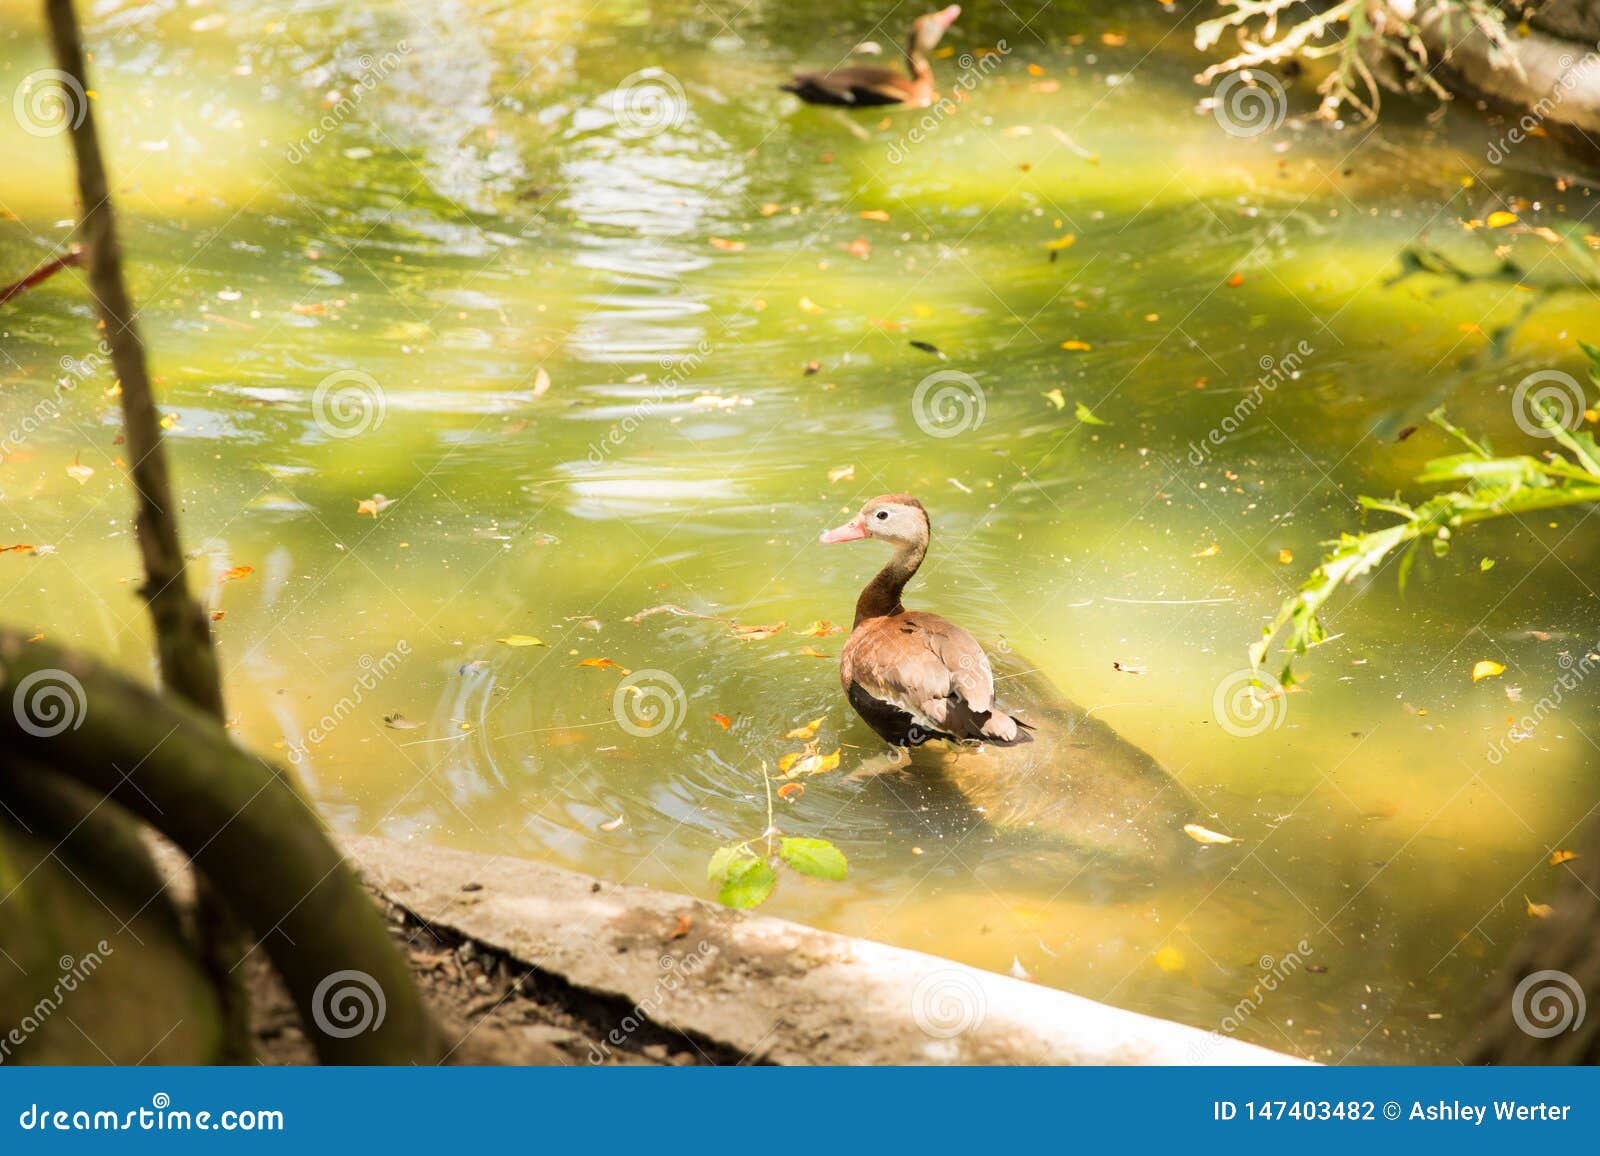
column 365, row 237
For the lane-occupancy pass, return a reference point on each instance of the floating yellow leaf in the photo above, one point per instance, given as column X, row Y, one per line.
column 374, row 505
column 1206, row 835
column 842, row 474
column 1055, row 398
column 1486, row 669
column 1065, row 241
column 1285, row 556
column 821, row 628
column 1559, row 857
column 873, row 215
column 726, row 245
column 1170, row 960
column 541, row 382
column 1538, row 910
column 813, row 652
column 808, row 732
column 722, row 721
column 809, row 306
column 1210, row 551
column 235, row 573
column 522, row 640
column 788, row 792
column 1076, row 346
column 769, row 209
column 1500, row 219
column 757, row 633
column 79, row 472
column 1235, row 280
column 602, row 664
column 807, row 763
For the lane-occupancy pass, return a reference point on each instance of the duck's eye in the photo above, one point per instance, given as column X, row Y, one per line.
column 883, row 515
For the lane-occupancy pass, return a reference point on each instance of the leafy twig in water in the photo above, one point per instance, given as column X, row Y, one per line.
column 746, row 877
column 1487, row 487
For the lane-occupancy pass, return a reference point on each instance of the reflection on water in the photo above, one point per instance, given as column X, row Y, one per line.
column 722, row 306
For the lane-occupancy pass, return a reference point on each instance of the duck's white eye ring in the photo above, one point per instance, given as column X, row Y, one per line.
column 883, row 515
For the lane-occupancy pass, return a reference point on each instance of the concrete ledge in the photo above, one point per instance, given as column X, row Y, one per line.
column 763, row 988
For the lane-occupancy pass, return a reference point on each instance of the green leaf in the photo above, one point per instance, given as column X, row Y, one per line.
column 749, row 883
column 723, row 860
column 1086, row 415
column 522, row 640
column 816, row 857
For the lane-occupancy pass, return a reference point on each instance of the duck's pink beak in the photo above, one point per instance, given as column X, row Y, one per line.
column 948, row 16
column 849, row 532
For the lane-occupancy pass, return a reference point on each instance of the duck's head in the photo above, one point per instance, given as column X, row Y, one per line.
column 927, row 31
column 896, row 518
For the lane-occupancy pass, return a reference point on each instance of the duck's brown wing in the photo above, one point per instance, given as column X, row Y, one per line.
column 932, row 670
column 851, row 87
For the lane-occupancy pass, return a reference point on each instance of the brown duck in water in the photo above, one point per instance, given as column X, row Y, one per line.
column 914, row 676
column 1063, row 788
column 865, row 87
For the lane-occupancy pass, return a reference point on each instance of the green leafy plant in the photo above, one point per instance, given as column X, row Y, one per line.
column 746, row 871
column 1485, row 487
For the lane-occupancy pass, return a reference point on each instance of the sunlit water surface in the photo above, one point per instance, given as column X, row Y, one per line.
column 477, row 208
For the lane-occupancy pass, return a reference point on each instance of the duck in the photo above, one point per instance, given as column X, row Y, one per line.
column 913, row 676
column 865, row 87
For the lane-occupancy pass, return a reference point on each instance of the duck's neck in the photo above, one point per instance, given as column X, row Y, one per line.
column 916, row 62
column 881, row 596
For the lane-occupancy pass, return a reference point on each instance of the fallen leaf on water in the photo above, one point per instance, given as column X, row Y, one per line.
column 1113, row 39
column 1210, row 551
column 20, row 548
column 812, row 367
column 1056, row 398
column 218, row 615
column 873, row 215
column 399, row 722
column 1539, row 910
column 821, row 628
column 1559, row 857
column 374, row 505
column 757, row 633
column 1065, row 241
column 809, row 306
column 717, row 401
column 726, row 245
column 602, row 664
column 808, row 732
column 1076, row 346
column 522, row 640
column 1545, row 233
column 541, row 382
column 1285, row 556
column 770, row 209
column 681, row 928
column 1126, row 668
column 803, row 763
column 308, row 309
column 1235, row 281
column 928, row 347
column 1169, row 959
column 788, row 792
column 1499, row 219
column 860, row 247
column 722, row 721
column 1205, row 835
column 612, row 824
column 79, row 472
column 842, row 474
column 234, row 573
column 1086, row 415
column 1487, row 668
column 813, row 652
